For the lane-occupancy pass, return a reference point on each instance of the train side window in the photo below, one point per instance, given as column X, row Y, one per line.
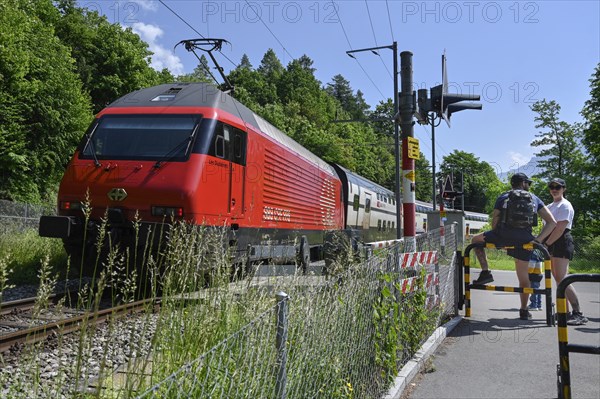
column 239, row 147
column 368, row 205
column 220, row 147
column 356, row 203
column 379, row 225
column 393, row 225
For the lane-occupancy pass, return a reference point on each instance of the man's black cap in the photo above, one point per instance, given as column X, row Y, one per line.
column 519, row 177
column 559, row 181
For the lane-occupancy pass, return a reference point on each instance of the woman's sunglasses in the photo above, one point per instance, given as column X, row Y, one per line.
column 554, row 187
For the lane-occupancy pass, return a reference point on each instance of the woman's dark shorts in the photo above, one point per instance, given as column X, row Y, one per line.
column 508, row 238
column 563, row 247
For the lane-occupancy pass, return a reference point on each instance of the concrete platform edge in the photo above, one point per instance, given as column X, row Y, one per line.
column 413, row 366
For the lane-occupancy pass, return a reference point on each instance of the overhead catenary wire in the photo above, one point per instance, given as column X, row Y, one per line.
column 387, row 6
column 270, row 31
column 194, row 29
column 437, row 145
column 351, row 48
column 375, row 39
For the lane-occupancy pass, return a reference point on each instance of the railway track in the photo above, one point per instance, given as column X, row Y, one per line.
column 27, row 334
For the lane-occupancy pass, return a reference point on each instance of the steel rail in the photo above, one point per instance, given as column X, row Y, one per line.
column 39, row 333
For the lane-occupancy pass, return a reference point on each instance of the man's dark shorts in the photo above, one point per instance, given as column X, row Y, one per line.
column 563, row 247
column 508, row 238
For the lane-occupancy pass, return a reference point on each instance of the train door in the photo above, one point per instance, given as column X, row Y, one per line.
column 367, row 214
column 237, row 171
column 215, row 177
column 225, row 177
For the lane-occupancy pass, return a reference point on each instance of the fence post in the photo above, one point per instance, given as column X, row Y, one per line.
column 280, row 343
column 458, row 281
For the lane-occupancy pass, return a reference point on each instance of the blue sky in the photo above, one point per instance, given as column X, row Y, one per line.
column 512, row 53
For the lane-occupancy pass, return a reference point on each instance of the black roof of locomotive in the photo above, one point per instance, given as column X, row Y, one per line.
column 208, row 95
column 185, row 95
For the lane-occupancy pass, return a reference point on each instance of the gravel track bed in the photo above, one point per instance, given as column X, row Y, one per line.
column 64, row 365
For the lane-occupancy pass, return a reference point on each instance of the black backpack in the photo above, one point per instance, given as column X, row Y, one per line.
column 520, row 210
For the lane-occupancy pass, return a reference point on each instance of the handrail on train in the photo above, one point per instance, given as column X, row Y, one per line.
column 547, row 291
column 563, row 368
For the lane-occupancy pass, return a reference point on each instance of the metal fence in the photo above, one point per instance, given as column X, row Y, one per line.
column 15, row 215
column 324, row 337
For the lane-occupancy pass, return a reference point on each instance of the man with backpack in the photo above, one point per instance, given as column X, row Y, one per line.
column 515, row 214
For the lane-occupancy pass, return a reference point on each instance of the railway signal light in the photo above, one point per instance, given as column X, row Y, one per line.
column 423, row 107
column 445, row 104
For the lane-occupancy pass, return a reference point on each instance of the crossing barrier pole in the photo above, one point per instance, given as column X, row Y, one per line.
column 564, row 367
column 528, row 246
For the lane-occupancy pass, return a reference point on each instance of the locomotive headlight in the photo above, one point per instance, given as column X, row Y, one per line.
column 167, row 211
column 70, row 205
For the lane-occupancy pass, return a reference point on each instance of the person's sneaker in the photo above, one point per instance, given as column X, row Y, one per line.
column 534, row 308
column 576, row 319
column 524, row 314
column 484, row 277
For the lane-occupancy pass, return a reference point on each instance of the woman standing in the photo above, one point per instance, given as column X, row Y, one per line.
column 560, row 245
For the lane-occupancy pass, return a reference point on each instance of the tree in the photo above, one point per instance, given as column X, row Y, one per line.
column 590, row 218
column 340, row 89
column 481, row 185
column 245, row 62
column 42, row 108
column 423, row 179
column 591, row 113
column 270, row 67
column 200, row 73
column 111, row 61
column 560, row 150
column 270, row 71
column 561, row 156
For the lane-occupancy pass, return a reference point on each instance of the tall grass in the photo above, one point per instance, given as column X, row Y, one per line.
column 334, row 347
column 27, row 250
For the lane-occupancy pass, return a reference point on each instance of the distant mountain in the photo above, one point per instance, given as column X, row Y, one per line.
column 530, row 169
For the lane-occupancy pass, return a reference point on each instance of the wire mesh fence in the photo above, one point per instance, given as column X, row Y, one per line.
column 19, row 216
column 328, row 337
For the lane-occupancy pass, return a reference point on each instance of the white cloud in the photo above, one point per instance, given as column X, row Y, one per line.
column 162, row 57
column 148, row 5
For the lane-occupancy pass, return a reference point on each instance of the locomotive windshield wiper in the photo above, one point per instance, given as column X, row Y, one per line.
column 173, row 152
column 90, row 142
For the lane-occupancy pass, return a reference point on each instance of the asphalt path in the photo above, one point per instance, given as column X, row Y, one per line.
column 493, row 354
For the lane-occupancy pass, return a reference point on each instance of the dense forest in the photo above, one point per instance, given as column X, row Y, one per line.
column 60, row 64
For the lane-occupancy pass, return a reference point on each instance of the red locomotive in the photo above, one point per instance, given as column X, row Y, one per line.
column 193, row 153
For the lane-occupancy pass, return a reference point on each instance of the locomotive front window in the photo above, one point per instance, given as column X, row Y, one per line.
column 141, row 137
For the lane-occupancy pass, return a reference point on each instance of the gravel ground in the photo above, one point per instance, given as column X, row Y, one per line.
column 30, row 291
column 55, row 369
